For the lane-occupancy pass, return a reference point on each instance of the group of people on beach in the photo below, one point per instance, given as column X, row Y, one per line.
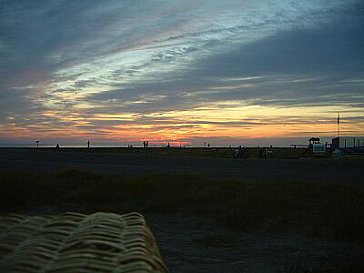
column 58, row 148
column 263, row 152
column 145, row 144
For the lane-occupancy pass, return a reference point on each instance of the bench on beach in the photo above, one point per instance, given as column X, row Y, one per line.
column 73, row 242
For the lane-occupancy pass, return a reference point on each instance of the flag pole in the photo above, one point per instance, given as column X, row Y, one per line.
column 338, row 124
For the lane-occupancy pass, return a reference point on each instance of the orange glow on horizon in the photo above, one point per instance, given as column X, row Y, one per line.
column 225, row 120
column 138, row 133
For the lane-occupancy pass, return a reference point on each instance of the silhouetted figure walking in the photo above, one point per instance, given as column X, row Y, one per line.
column 88, row 144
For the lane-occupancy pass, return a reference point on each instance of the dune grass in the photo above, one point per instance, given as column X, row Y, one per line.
column 318, row 209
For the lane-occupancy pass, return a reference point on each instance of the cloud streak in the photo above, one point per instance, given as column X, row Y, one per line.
column 67, row 66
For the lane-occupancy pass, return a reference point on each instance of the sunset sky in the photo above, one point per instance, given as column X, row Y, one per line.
column 224, row 72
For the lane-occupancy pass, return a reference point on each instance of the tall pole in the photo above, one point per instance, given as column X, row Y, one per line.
column 338, row 124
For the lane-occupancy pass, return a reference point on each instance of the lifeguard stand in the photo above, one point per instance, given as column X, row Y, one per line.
column 314, row 140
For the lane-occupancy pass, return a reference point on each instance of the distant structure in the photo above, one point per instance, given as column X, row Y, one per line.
column 348, row 142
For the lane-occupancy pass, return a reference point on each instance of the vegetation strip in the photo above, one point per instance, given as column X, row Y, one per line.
column 316, row 208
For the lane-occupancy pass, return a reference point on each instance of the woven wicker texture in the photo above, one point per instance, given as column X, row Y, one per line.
column 72, row 242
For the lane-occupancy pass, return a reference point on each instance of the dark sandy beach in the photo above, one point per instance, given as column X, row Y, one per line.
column 196, row 241
column 347, row 171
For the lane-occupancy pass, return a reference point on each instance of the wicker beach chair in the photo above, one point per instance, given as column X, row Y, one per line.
column 73, row 242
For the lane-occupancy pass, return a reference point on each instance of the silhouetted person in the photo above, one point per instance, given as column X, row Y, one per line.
column 88, row 144
column 260, row 153
column 57, row 147
column 168, row 146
